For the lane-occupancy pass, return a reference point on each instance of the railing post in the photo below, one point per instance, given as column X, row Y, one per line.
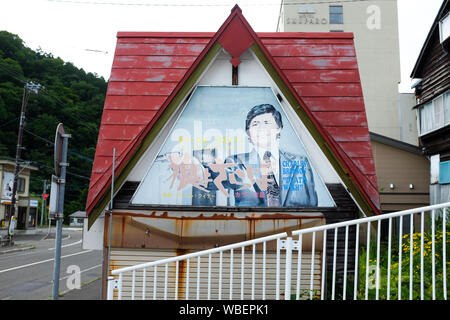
column 287, row 279
column 110, row 292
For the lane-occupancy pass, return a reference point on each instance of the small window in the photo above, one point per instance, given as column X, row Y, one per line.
column 435, row 114
column 336, row 14
column 21, row 185
column 444, row 172
column 426, row 119
column 447, row 108
column 438, row 106
column 306, row 9
column 444, row 28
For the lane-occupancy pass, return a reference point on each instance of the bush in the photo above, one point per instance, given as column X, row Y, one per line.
column 403, row 269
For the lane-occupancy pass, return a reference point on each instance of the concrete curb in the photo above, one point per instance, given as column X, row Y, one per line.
column 67, row 292
column 17, row 250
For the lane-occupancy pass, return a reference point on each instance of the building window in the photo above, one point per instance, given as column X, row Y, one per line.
column 444, row 28
column 447, row 107
column 336, row 14
column 434, row 114
column 444, row 172
column 21, row 185
column 306, row 9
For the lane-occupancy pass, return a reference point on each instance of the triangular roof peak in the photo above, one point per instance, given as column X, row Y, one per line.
column 147, row 102
column 237, row 35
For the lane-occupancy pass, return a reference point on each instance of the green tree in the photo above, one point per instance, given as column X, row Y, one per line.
column 71, row 96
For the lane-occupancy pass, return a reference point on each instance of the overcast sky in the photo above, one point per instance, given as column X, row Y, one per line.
column 84, row 31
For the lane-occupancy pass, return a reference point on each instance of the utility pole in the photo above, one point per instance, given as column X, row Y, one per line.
column 33, row 88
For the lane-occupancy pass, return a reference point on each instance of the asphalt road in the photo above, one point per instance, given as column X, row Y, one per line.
column 28, row 275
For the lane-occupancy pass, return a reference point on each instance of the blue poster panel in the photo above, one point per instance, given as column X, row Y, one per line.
column 234, row 147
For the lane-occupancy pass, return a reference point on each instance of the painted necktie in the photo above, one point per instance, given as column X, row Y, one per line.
column 273, row 190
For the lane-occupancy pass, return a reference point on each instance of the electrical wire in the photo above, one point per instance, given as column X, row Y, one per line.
column 202, row 5
column 42, row 165
column 13, row 74
column 44, row 90
column 52, row 143
column 10, row 121
column 39, row 164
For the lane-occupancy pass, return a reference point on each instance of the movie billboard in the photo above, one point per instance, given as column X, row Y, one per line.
column 233, row 147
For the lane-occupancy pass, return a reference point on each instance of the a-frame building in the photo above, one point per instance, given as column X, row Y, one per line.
column 228, row 136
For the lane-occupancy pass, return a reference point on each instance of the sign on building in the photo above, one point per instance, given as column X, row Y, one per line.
column 234, row 147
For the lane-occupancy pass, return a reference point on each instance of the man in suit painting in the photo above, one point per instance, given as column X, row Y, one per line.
column 273, row 177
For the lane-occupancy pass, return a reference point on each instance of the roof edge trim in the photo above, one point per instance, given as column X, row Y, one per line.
column 419, row 60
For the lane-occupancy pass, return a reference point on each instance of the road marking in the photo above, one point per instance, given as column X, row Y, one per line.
column 45, row 237
column 43, row 261
column 67, row 245
column 99, row 265
column 38, row 250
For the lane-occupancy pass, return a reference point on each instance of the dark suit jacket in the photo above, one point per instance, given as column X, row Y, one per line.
column 296, row 181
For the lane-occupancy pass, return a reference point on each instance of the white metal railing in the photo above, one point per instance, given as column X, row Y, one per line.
column 362, row 278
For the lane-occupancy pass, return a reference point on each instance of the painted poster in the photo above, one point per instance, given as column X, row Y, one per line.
column 8, row 182
column 234, row 147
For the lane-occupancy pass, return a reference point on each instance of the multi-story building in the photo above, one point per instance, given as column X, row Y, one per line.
column 390, row 115
column 26, row 213
column 432, row 90
column 375, row 28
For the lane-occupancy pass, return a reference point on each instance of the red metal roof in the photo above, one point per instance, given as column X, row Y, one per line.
column 320, row 68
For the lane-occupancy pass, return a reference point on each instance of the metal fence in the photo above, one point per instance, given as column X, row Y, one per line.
column 400, row 255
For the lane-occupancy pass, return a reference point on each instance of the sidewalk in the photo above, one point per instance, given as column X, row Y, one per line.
column 23, row 242
column 89, row 291
column 27, row 240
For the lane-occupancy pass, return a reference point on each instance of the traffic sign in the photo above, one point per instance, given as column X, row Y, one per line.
column 45, row 196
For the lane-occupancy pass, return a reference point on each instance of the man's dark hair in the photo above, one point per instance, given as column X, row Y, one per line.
column 262, row 109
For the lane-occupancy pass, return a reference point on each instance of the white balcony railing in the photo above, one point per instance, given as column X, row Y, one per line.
column 347, row 260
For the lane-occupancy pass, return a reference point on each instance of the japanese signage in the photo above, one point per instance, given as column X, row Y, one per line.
column 307, row 15
column 235, row 147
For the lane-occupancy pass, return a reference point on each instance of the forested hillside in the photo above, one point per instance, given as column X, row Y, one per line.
column 71, row 96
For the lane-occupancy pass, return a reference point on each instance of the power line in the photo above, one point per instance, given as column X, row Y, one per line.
column 39, row 164
column 10, row 121
column 202, row 5
column 52, row 143
column 42, row 165
column 44, row 90
column 13, row 74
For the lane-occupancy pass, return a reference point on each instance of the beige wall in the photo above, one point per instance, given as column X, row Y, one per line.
column 25, row 174
column 408, row 118
column 377, row 52
column 401, row 168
